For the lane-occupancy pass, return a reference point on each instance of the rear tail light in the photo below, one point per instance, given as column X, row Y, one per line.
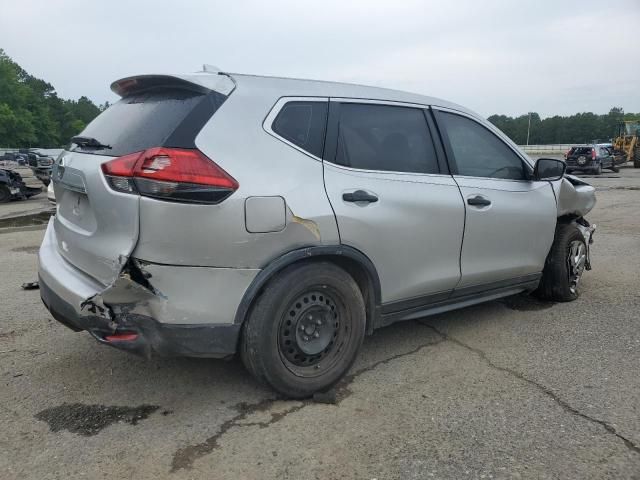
column 170, row 174
column 593, row 154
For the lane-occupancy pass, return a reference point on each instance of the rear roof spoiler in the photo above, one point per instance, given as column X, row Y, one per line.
column 202, row 82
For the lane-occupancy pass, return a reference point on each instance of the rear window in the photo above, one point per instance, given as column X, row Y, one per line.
column 303, row 124
column 169, row 118
column 581, row 151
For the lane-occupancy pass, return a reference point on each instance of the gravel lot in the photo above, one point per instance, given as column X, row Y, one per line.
column 509, row 389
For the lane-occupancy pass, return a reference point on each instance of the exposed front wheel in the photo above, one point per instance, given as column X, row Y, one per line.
column 564, row 266
column 305, row 329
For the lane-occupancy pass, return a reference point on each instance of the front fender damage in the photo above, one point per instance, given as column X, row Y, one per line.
column 575, row 198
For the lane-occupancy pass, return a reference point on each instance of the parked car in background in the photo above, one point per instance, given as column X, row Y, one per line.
column 12, row 187
column 591, row 158
column 19, row 158
column 211, row 214
column 40, row 164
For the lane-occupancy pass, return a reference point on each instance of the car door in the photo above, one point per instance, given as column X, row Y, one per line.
column 510, row 219
column 607, row 159
column 392, row 200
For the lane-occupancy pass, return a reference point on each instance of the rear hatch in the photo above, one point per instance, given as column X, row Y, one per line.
column 97, row 227
column 579, row 155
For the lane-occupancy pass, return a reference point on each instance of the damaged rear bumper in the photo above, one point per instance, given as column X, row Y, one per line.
column 148, row 337
column 149, row 309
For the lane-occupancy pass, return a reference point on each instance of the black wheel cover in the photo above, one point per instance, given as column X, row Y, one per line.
column 312, row 332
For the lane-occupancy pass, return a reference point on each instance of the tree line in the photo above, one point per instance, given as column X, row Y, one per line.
column 32, row 115
column 579, row 128
column 31, row 112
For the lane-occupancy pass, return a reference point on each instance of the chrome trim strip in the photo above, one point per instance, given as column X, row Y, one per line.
column 389, row 172
column 378, row 102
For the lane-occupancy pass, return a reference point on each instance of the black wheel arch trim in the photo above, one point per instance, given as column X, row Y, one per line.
column 309, row 253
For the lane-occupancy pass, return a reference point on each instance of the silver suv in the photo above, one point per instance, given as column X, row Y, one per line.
column 211, row 214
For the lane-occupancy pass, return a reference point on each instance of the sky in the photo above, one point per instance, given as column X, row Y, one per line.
column 553, row 57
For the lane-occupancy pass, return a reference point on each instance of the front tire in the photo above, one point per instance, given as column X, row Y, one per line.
column 564, row 266
column 304, row 331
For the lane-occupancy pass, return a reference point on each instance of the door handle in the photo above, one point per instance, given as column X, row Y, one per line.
column 479, row 201
column 359, row 196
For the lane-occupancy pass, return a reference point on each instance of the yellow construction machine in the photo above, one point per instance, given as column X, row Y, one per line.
column 626, row 143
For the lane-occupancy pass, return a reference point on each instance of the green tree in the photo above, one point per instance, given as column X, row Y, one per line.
column 583, row 127
column 32, row 114
column 18, row 127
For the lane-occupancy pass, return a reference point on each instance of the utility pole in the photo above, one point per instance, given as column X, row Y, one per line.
column 528, row 128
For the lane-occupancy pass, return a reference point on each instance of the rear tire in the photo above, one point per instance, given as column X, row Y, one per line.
column 598, row 169
column 5, row 194
column 636, row 158
column 304, row 331
column 564, row 266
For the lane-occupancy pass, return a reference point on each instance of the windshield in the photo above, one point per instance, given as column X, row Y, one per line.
column 581, row 151
column 632, row 128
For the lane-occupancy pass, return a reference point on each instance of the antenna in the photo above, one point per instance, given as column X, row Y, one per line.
column 210, row 68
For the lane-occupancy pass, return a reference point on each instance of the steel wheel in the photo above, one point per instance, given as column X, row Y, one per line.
column 304, row 331
column 311, row 333
column 575, row 263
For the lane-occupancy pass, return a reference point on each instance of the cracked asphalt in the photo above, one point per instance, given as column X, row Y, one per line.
column 510, row 389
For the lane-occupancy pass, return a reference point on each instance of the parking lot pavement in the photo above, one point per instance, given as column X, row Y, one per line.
column 18, row 212
column 510, row 389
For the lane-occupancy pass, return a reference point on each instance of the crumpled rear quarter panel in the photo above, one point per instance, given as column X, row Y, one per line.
column 217, row 235
column 180, row 295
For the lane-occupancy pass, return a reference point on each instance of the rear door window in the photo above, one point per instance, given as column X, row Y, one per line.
column 157, row 118
column 386, row 138
column 303, row 123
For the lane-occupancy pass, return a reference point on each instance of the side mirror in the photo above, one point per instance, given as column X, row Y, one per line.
column 549, row 169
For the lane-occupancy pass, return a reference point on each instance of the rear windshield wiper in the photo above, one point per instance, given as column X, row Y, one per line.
column 89, row 142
